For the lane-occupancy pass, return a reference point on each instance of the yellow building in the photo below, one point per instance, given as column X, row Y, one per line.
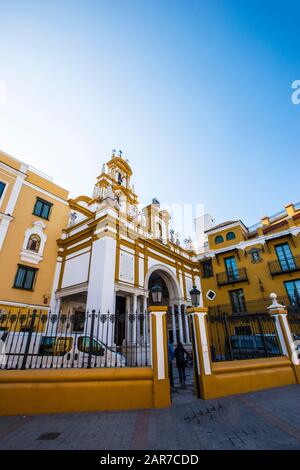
column 33, row 212
column 241, row 266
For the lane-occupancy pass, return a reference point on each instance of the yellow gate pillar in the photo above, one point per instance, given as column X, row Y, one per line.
column 288, row 345
column 202, row 359
column 161, row 382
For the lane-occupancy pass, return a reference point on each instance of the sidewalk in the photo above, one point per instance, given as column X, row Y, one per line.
column 268, row 419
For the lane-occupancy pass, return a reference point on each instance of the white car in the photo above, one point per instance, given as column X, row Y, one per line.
column 45, row 351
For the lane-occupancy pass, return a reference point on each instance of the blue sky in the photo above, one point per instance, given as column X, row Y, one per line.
column 197, row 94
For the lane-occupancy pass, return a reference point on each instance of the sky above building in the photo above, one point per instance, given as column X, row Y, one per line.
column 197, row 94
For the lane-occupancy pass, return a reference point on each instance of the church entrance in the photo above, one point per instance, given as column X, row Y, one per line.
column 120, row 327
column 178, row 329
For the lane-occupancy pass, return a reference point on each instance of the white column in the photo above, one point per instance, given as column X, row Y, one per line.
column 145, row 313
column 174, row 325
column 7, row 217
column 128, row 324
column 57, row 306
column 135, row 322
column 186, row 323
column 53, row 301
column 180, row 323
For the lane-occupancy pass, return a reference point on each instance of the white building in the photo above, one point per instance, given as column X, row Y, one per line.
column 112, row 254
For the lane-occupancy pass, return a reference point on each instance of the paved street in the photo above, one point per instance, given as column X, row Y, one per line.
column 268, row 419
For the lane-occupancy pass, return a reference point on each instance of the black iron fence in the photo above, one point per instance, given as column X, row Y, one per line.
column 294, row 322
column 259, row 305
column 246, row 336
column 37, row 340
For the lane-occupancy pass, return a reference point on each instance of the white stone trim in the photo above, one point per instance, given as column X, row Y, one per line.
column 216, row 230
column 2, row 180
column 29, row 255
column 160, row 345
column 46, row 193
column 203, row 336
column 18, row 304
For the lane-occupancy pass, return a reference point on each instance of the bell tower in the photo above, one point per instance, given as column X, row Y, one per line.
column 117, row 173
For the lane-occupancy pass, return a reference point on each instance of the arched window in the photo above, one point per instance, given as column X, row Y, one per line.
column 34, row 243
column 159, row 231
column 230, row 236
column 219, row 239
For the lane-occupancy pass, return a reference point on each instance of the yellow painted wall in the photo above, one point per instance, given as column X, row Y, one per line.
column 229, row 378
column 75, row 390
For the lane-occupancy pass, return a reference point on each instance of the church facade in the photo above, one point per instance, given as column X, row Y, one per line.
column 112, row 254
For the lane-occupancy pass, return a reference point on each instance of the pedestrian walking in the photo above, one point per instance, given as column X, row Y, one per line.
column 171, row 357
column 180, row 362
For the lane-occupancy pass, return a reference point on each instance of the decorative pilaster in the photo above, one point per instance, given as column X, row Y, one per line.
column 161, row 383
column 201, row 353
column 288, row 345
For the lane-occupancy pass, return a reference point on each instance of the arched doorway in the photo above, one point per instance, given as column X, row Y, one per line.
column 177, row 323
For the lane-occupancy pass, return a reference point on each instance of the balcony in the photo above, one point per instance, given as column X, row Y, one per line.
column 288, row 265
column 238, row 275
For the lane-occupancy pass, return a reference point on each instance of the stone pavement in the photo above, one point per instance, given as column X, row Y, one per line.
column 268, row 419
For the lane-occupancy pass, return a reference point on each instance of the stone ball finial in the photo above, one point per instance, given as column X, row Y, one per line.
column 273, row 296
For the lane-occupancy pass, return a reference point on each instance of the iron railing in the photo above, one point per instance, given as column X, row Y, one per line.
column 248, row 336
column 38, row 340
column 294, row 322
column 232, row 277
column 284, row 266
column 259, row 305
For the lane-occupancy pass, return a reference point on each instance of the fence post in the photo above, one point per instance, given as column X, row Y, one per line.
column 202, row 359
column 91, row 337
column 160, row 356
column 288, row 346
column 27, row 346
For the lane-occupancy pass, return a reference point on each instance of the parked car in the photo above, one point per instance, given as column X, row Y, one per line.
column 253, row 346
column 57, row 352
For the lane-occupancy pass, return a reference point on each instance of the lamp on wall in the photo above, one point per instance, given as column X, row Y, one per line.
column 156, row 293
column 195, row 296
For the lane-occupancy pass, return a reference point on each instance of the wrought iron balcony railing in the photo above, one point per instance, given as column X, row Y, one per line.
column 233, row 277
column 284, row 266
column 255, row 306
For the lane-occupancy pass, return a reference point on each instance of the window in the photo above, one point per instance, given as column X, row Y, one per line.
column 2, row 187
column 244, row 330
column 230, row 236
column 42, row 208
column 25, row 277
column 293, row 291
column 78, row 321
column 207, row 268
column 285, row 257
column 159, row 232
column 231, row 268
column 34, row 243
column 219, row 239
column 237, row 300
column 83, row 344
column 53, row 346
